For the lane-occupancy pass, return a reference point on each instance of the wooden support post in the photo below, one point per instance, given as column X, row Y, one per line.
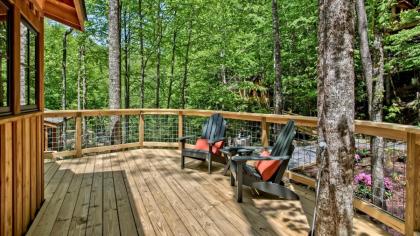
column 264, row 132
column 141, row 130
column 180, row 128
column 412, row 212
column 79, row 134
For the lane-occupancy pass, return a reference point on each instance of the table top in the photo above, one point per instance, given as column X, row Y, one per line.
column 276, row 189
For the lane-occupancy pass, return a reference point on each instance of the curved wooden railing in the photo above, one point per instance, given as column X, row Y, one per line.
column 176, row 123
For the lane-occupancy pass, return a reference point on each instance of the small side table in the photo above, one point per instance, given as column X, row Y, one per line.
column 276, row 190
column 230, row 152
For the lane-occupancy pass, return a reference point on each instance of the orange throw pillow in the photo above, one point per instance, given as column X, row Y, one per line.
column 267, row 168
column 203, row 144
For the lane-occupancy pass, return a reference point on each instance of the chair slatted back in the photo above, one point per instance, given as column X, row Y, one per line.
column 283, row 147
column 214, row 128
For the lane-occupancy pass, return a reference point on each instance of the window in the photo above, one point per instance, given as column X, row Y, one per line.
column 5, row 59
column 28, row 67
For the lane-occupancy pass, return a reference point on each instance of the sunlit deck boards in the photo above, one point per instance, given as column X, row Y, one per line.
column 144, row 192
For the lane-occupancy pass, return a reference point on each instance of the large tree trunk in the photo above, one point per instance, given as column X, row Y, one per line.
column 335, row 117
column 64, row 85
column 378, row 143
column 375, row 91
column 114, row 69
column 278, row 100
column 172, row 78
column 187, row 54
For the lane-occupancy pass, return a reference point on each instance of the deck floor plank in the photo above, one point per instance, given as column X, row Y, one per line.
column 110, row 221
column 142, row 219
column 63, row 220
column 172, row 218
column 144, row 192
column 78, row 222
column 125, row 214
column 159, row 223
column 95, row 220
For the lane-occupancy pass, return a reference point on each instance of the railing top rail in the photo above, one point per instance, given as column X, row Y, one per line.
column 387, row 130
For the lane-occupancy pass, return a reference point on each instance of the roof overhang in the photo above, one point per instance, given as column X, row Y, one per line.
column 68, row 12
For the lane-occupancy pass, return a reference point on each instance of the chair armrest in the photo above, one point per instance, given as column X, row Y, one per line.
column 211, row 142
column 259, row 158
column 185, row 138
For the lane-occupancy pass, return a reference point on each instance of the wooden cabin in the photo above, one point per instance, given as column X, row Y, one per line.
column 22, row 104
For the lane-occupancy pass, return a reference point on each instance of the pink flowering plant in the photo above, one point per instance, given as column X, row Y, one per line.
column 363, row 182
column 357, row 158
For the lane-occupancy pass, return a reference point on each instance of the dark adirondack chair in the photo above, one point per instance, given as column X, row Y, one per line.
column 243, row 174
column 208, row 145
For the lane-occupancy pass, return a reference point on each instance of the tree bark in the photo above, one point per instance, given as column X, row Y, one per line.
column 64, row 85
column 375, row 91
column 114, row 69
column 185, row 78
column 335, row 117
column 172, row 78
column 127, row 42
column 158, row 54
column 278, row 100
column 378, row 143
column 364, row 50
column 142, row 55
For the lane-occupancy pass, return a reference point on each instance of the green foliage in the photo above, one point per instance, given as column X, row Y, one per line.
column 230, row 58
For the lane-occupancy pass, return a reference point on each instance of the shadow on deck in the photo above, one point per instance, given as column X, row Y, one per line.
column 144, row 192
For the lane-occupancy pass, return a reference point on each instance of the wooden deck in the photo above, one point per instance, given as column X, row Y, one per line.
column 144, row 192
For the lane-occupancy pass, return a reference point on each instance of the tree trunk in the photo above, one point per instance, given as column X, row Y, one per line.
column 64, row 85
column 142, row 56
column 364, row 50
column 83, row 72
column 335, row 117
column 172, row 78
column 158, row 54
column 114, row 69
column 375, row 91
column 127, row 41
column 187, row 54
column 278, row 100
column 378, row 143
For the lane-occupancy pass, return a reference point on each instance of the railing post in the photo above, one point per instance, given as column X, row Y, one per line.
column 141, row 129
column 412, row 212
column 264, row 132
column 79, row 134
column 180, row 128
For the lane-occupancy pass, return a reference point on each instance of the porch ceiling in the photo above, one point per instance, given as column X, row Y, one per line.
column 68, row 12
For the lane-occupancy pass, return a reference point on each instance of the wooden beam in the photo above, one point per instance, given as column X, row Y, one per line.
column 63, row 13
column 264, row 132
column 79, row 135
column 141, row 130
column 15, row 31
column 412, row 188
column 6, row 179
column 180, row 129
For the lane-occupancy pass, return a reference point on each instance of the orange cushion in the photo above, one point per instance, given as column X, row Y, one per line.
column 203, row 144
column 267, row 168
